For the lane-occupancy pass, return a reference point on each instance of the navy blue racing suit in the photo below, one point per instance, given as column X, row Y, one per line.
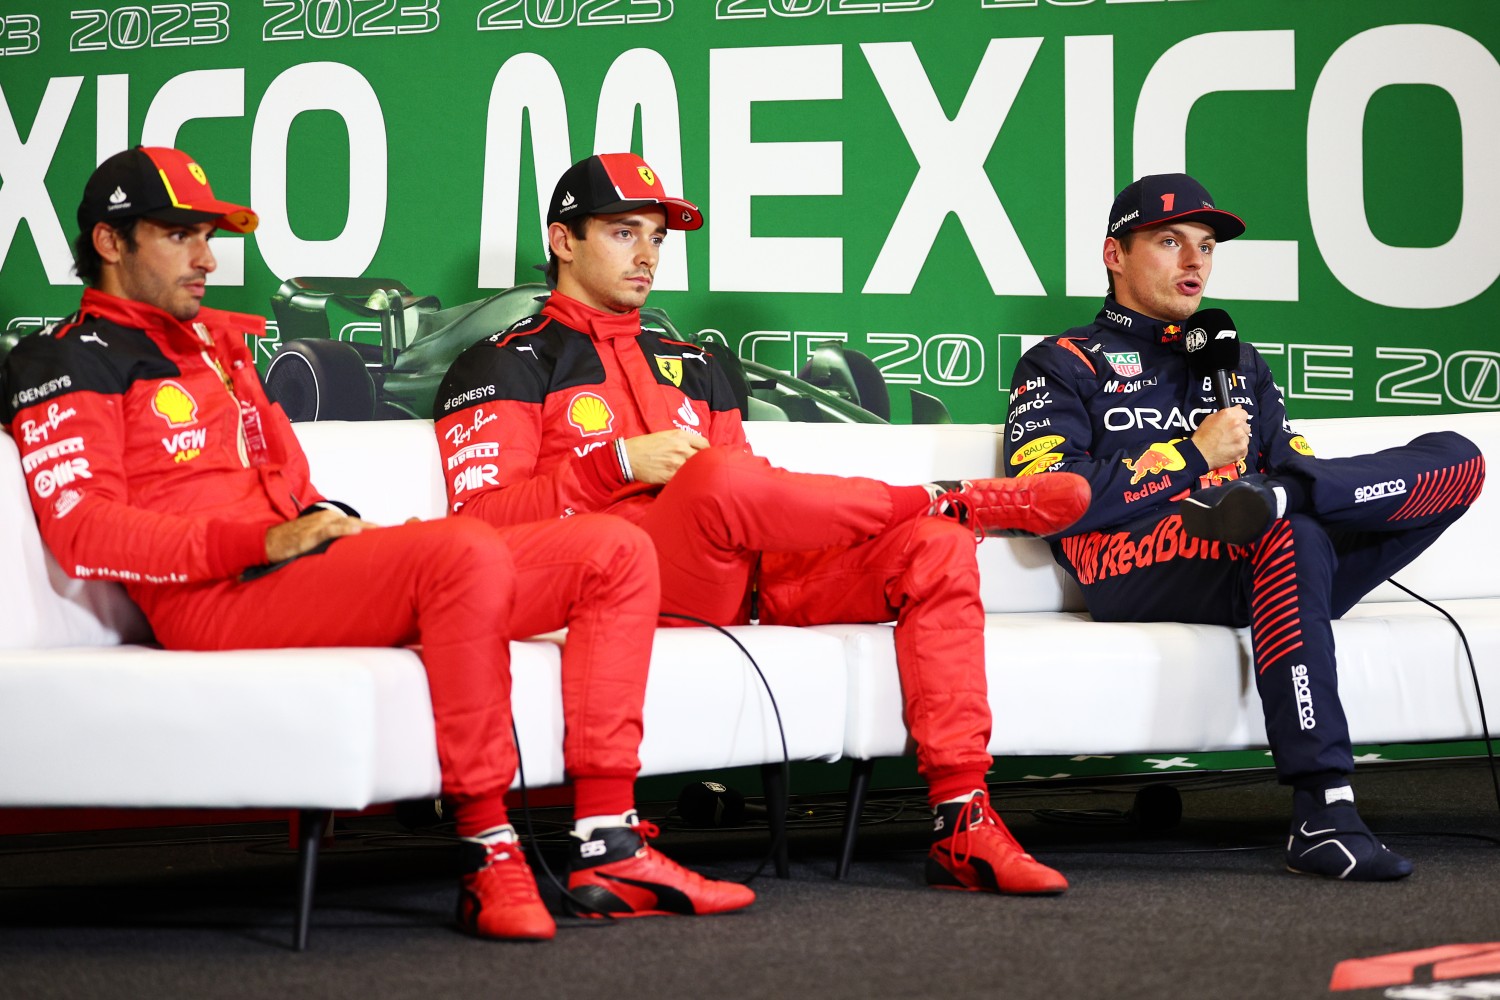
column 1116, row 403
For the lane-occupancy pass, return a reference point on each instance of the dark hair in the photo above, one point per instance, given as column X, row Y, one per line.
column 86, row 260
column 579, row 227
column 1126, row 238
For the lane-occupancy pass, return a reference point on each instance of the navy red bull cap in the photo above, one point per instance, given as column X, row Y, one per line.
column 1158, row 198
column 616, row 182
column 159, row 183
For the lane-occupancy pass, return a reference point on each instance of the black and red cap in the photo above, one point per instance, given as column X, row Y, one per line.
column 616, row 182
column 1158, row 198
column 158, row 183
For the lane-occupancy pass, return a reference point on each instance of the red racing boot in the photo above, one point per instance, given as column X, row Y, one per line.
column 500, row 900
column 1041, row 504
column 973, row 850
column 616, row 873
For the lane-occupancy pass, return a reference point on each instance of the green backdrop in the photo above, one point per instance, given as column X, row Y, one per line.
column 925, row 179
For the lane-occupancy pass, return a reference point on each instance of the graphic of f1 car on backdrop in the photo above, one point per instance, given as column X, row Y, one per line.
column 320, row 372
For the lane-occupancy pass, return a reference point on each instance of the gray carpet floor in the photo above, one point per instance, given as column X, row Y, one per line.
column 1204, row 909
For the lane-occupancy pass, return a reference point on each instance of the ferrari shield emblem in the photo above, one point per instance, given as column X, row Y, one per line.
column 671, row 368
column 646, row 175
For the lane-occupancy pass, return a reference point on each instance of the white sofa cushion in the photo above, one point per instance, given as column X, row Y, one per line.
column 43, row 606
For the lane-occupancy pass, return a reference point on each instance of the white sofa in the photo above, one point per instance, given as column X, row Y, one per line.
column 91, row 715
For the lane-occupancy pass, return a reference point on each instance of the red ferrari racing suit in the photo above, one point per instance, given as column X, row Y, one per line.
column 154, row 458
column 527, row 424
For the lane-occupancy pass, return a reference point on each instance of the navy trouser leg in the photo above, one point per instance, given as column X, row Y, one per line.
column 1296, row 670
column 1365, row 518
column 1397, row 489
column 1280, row 587
column 1369, row 558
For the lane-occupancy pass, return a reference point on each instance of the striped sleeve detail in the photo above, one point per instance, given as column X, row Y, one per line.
column 1443, row 489
column 1275, row 614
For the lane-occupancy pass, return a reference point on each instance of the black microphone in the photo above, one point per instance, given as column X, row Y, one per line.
column 1213, row 350
column 708, row 803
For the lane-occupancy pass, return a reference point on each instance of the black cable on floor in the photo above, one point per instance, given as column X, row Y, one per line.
column 778, row 833
column 1484, row 723
column 532, row 838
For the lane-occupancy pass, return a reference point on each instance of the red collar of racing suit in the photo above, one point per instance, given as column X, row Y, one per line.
column 138, row 315
column 595, row 322
column 142, row 316
column 620, row 332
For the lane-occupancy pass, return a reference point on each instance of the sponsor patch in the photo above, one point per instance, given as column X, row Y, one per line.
column 476, row 478
column 37, row 393
column 1155, row 486
column 37, row 431
column 66, row 501
column 1136, row 385
column 1038, row 446
column 51, row 453
column 1159, row 458
column 459, row 434
column 1030, row 385
column 590, row 414
column 1379, row 491
column 174, row 404
column 671, row 368
column 1021, row 428
column 1124, row 418
column 1127, row 364
column 1300, row 446
column 1305, row 717
column 485, row 449
column 184, row 446
column 688, row 417
column 1041, row 464
column 64, row 473
column 465, row 398
column 1043, row 398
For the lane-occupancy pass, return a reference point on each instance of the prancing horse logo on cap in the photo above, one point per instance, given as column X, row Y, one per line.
column 646, row 174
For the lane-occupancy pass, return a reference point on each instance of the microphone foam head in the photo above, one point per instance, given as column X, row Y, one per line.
column 1212, row 342
column 708, row 804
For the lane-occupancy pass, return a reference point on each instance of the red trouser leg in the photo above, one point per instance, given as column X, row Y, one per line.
column 596, row 575
column 725, row 507
column 446, row 584
column 826, row 556
column 923, row 574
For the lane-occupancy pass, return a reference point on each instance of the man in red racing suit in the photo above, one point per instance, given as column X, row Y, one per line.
column 153, row 457
column 580, row 410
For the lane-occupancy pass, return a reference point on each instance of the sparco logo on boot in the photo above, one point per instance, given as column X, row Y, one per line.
column 1300, row 685
column 1378, row 491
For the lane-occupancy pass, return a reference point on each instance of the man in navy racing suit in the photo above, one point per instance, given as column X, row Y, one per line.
column 1222, row 515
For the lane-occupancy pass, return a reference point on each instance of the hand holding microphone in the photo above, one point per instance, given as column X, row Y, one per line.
column 1213, row 350
column 1213, row 353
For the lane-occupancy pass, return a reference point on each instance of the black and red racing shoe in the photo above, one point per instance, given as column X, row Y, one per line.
column 1044, row 503
column 617, row 873
column 500, row 899
column 973, row 850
